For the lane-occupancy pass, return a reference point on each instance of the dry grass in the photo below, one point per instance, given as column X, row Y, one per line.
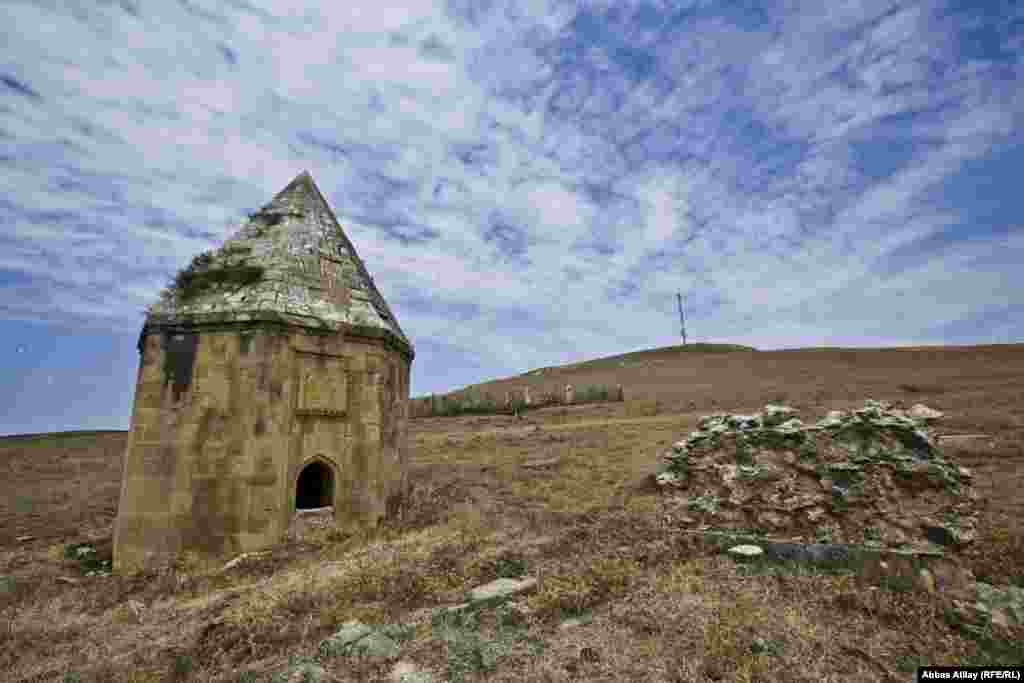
column 653, row 605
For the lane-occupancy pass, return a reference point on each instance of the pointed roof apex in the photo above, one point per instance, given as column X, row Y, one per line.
column 291, row 258
column 302, row 184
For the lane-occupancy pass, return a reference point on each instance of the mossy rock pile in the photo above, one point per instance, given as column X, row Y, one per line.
column 871, row 476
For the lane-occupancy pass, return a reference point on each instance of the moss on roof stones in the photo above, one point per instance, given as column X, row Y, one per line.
column 290, row 258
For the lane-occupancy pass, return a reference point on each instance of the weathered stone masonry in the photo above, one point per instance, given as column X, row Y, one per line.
column 241, row 388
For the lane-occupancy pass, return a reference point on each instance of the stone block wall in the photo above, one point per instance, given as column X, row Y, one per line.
column 224, row 421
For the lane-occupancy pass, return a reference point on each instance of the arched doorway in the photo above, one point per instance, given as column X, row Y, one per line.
column 315, row 487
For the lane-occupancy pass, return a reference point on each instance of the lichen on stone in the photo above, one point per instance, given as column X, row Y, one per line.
column 876, row 465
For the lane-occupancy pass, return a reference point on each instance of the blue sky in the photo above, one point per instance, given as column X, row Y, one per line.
column 529, row 183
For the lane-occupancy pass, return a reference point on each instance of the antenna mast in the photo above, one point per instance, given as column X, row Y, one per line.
column 682, row 318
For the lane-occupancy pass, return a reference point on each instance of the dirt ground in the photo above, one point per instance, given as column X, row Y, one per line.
column 563, row 490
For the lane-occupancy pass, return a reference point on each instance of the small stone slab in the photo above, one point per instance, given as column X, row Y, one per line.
column 349, row 633
column 776, row 414
column 376, row 646
column 581, row 620
column 417, row 677
column 455, row 609
column 746, row 552
column 500, row 589
column 919, row 411
column 241, row 558
column 304, row 672
column 22, row 539
column 313, row 511
column 538, row 464
column 828, row 554
column 356, row 638
column 406, row 671
column 960, row 438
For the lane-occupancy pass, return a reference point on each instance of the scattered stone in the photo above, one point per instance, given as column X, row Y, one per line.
column 961, row 439
column 22, row 539
column 355, row 638
column 746, row 553
column 1009, row 599
column 669, row 478
column 244, row 556
column 817, row 554
column 136, row 607
column 792, row 425
column 401, row 668
column 921, row 412
column 776, row 414
column 999, row 618
column 455, row 609
column 376, row 646
column 304, row 672
column 743, row 422
column 303, row 511
column 834, row 418
column 501, row 589
column 539, row 464
column 66, row 579
column 1001, row 608
column 573, row 622
column 349, row 633
column 406, row 671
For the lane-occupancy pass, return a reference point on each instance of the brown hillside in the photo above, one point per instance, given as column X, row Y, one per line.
column 563, row 494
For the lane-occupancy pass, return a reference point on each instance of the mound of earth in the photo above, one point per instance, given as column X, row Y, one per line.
column 872, row 476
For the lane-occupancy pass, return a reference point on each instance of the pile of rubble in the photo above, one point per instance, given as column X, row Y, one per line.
column 872, row 476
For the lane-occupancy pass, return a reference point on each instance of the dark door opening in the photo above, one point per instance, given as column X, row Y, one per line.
column 315, row 488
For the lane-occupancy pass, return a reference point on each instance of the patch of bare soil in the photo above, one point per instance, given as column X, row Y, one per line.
column 563, row 495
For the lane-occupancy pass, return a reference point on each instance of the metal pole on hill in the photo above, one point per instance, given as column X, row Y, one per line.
column 682, row 318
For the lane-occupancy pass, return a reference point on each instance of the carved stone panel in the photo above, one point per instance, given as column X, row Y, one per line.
column 332, row 280
column 323, row 385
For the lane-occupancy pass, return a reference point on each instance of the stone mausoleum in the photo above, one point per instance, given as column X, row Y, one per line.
column 272, row 377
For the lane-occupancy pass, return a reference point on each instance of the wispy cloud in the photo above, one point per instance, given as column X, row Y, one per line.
column 531, row 183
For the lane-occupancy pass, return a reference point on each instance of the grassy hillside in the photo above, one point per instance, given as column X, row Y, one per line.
column 562, row 495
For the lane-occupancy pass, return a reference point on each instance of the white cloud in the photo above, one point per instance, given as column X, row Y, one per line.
column 733, row 160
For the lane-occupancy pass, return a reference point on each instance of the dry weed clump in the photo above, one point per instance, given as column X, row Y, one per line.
column 574, row 592
column 683, row 576
column 497, row 563
column 375, row 582
column 426, row 504
column 730, row 637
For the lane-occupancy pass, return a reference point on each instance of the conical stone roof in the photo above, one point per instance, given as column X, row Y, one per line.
column 291, row 262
